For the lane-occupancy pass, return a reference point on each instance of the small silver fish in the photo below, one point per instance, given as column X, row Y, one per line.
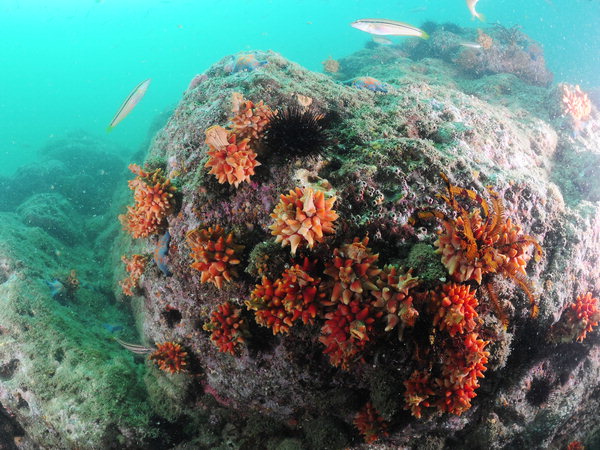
column 382, row 40
column 385, row 27
column 470, row 44
column 132, row 99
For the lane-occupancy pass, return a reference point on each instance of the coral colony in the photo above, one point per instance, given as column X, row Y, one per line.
column 135, row 267
column 348, row 297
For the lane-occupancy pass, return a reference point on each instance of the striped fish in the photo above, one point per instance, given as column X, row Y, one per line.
column 137, row 349
column 132, row 99
column 385, row 27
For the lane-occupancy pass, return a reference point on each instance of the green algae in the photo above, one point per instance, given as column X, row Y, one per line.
column 426, row 264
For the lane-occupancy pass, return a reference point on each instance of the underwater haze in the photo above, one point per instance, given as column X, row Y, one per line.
column 300, row 224
column 68, row 64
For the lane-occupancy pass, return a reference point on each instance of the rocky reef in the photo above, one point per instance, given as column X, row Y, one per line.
column 405, row 260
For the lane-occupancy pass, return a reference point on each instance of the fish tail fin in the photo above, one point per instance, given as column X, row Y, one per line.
column 109, row 128
column 424, row 35
column 481, row 17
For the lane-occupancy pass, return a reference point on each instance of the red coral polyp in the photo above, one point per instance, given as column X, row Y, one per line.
column 347, row 331
column 294, row 296
column 418, row 392
column 303, row 217
column 154, row 201
column 577, row 320
column 393, row 297
column 169, row 357
column 228, row 329
column 250, row 119
column 576, row 103
column 463, row 365
column 215, row 254
column 135, row 267
column 370, row 424
column 454, row 309
column 267, row 302
column 229, row 160
column 353, row 271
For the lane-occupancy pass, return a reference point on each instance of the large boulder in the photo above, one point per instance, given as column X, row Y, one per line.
column 382, row 159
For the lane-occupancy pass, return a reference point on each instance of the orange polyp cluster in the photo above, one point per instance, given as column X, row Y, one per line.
column 230, row 160
column 454, row 309
column 370, row 424
column 576, row 103
column 169, row 357
column 463, row 365
column 418, row 392
column 135, row 267
column 577, row 320
column 461, row 355
column 294, row 296
column 393, row 297
column 227, row 328
column 347, row 331
column 250, row 119
column 481, row 242
column 215, row 254
column 354, row 272
column 154, row 201
column 303, row 217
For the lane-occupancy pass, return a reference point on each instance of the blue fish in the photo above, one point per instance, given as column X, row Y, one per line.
column 112, row 328
column 161, row 253
column 370, row 83
column 57, row 289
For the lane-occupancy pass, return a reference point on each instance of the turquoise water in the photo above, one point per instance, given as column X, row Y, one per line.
column 68, row 64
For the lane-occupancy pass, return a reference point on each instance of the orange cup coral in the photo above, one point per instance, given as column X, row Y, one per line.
column 577, row 320
column 135, row 266
column 250, row 119
column 228, row 330
column 294, row 296
column 455, row 309
column 370, row 424
column 215, row 254
column 483, row 241
column 462, row 368
column 354, row 272
column 169, row 357
column 576, row 103
column 303, row 217
column 347, row 332
column 393, row 296
column 154, row 201
column 229, row 161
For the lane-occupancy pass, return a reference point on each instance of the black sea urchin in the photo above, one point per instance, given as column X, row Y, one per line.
column 295, row 130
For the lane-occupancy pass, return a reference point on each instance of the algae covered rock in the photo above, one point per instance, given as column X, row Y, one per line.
column 381, row 160
column 54, row 214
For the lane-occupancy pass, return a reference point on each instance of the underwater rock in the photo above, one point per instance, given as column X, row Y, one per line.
column 54, row 214
column 383, row 169
column 82, row 168
column 485, row 51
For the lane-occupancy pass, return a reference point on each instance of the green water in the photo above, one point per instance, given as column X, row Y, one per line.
column 68, row 64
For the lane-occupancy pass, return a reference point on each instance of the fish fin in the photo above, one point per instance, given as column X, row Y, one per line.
column 481, row 17
column 109, row 128
column 424, row 35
